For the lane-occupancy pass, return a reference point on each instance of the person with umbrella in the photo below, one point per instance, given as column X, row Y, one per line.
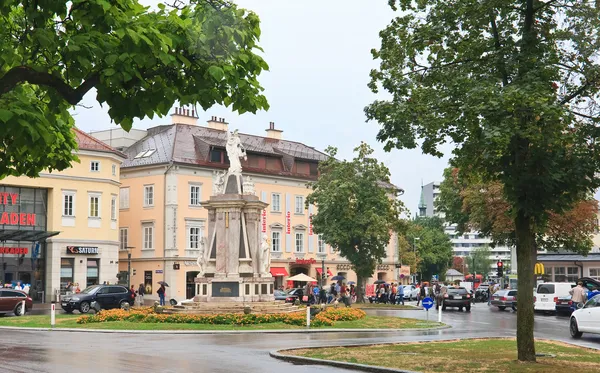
column 162, row 292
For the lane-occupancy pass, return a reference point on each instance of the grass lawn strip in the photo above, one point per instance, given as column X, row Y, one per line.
column 70, row 321
column 381, row 306
column 475, row 355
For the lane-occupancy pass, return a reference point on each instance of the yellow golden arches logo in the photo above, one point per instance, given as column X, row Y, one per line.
column 539, row 269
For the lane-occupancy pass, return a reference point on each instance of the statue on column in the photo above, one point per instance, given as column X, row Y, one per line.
column 265, row 257
column 235, row 151
column 202, row 260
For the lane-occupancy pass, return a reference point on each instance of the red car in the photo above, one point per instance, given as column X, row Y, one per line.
column 11, row 301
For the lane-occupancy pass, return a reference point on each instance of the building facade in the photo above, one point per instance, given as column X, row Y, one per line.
column 463, row 244
column 62, row 227
column 169, row 172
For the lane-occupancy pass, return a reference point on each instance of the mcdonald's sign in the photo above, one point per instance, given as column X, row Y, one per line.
column 539, row 269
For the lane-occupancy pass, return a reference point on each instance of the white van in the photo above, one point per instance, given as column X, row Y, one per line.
column 547, row 295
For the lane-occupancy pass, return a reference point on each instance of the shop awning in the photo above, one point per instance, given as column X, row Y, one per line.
column 320, row 270
column 279, row 271
column 25, row 235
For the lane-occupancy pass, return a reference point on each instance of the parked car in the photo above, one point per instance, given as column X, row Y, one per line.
column 106, row 296
column 504, row 298
column 586, row 319
column 11, row 301
column 410, row 292
column 294, row 294
column 547, row 295
column 457, row 297
column 280, row 295
column 565, row 306
column 589, row 283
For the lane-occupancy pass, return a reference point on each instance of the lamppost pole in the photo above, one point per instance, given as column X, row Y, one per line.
column 323, row 273
column 129, row 266
column 415, row 252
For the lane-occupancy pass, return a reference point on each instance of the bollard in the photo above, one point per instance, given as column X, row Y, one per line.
column 53, row 315
column 23, row 308
column 440, row 314
column 308, row 316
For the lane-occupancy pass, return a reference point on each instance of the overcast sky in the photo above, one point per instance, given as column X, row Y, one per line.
column 319, row 58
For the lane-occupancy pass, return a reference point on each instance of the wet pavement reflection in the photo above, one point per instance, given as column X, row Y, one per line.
column 56, row 351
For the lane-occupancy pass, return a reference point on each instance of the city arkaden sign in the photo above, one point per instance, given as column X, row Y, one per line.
column 14, row 218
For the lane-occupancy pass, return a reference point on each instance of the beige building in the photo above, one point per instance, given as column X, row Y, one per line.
column 169, row 172
column 62, row 226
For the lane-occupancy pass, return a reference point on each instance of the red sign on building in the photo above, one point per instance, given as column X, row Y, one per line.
column 306, row 261
column 14, row 250
column 264, row 221
column 310, row 231
column 288, row 223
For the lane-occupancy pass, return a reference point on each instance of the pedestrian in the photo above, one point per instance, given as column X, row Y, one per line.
column 400, row 294
column 421, row 294
column 322, row 295
column 332, row 294
column 344, row 295
column 161, row 294
column 578, row 295
column 490, row 293
column 352, row 293
column 141, row 293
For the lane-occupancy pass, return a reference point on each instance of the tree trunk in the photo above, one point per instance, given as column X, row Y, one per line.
column 360, row 289
column 526, row 257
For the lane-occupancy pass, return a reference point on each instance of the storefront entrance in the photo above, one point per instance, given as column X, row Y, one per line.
column 190, row 285
column 296, row 270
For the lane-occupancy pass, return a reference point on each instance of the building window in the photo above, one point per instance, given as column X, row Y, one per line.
column 124, row 198
column 92, row 272
column 148, row 195
column 94, row 211
column 320, row 244
column 299, row 205
column 572, row 274
column 276, row 241
column 194, row 230
column 148, row 236
column 276, row 202
column 123, row 238
column 595, row 273
column 66, row 272
column 114, row 170
column 195, row 195
column 113, row 207
column 68, row 203
column 94, row 166
column 216, row 156
column 299, row 242
column 560, row 274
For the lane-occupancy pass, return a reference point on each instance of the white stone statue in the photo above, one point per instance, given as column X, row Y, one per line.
column 202, row 260
column 235, row 151
column 218, row 182
column 265, row 256
column 248, row 186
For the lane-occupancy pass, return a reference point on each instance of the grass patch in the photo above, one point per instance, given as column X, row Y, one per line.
column 480, row 355
column 381, row 306
column 70, row 321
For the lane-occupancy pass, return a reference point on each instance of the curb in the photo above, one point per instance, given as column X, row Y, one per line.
column 264, row 331
column 337, row 364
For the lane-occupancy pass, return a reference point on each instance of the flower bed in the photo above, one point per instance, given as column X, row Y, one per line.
column 327, row 317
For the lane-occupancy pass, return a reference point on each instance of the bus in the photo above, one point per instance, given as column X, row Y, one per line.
column 477, row 282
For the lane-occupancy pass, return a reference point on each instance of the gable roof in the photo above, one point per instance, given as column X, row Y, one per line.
column 88, row 142
column 453, row 272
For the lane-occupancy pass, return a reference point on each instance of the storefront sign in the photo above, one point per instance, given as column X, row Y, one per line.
column 82, row 250
column 13, row 218
column 264, row 221
column 14, row 250
column 306, row 261
column 310, row 229
column 288, row 223
column 190, row 263
column 159, row 271
column 9, row 198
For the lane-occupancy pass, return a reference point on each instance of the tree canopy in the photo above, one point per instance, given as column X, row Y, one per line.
column 140, row 62
column 515, row 86
column 357, row 209
column 480, row 261
column 433, row 246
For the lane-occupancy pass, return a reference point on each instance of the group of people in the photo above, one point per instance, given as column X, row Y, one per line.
column 338, row 291
column 139, row 294
column 580, row 295
column 390, row 293
column 18, row 286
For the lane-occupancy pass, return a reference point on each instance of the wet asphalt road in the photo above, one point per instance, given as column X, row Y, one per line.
column 56, row 351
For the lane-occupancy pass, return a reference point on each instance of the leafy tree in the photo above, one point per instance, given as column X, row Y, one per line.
column 483, row 207
column 407, row 254
column 140, row 62
column 356, row 209
column 459, row 264
column 480, row 261
column 433, row 246
column 515, row 86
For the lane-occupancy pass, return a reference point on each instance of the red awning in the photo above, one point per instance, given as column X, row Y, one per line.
column 278, row 271
column 320, row 270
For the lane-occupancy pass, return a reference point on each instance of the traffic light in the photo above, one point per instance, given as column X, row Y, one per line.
column 500, row 267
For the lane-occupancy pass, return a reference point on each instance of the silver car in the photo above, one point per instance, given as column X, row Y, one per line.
column 504, row 298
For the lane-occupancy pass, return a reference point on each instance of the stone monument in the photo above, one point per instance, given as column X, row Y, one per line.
column 235, row 265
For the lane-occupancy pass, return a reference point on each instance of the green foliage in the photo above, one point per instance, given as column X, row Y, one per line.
column 433, row 246
column 479, row 261
column 140, row 62
column 356, row 208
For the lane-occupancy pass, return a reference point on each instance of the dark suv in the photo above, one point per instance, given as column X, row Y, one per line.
column 106, row 296
column 457, row 297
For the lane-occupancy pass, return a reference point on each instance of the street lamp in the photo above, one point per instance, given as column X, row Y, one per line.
column 129, row 265
column 415, row 239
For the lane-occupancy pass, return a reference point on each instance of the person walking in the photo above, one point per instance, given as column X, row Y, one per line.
column 161, row 294
column 578, row 295
column 421, row 294
column 490, row 293
column 141, row 293
column 400, row 294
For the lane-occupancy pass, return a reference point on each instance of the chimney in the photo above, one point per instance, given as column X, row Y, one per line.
column 218, row 124
column 184, row 116
column 273, row 133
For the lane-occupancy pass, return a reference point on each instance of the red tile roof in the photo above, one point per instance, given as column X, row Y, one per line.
column 88, row 142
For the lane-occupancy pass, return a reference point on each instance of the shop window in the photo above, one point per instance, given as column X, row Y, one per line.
column 123, row 238
column 148, row 239
column 195, row 194
column 94, row 166
column 68, row 203
column 92, row 272
column 276, row 202
column 148, row 195
column 66, row 272
column 124, row 198
column 299, row 206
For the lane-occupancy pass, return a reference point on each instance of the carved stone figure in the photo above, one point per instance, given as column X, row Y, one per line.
column 265, row 256
column 248, row 186
column 202, row 261
column 218, row 182
column 235, row 151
